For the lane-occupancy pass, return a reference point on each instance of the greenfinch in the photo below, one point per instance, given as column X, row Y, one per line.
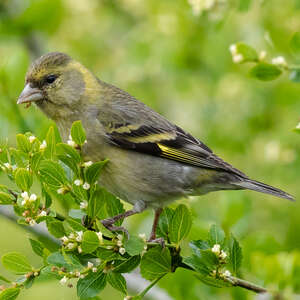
column 152, row 162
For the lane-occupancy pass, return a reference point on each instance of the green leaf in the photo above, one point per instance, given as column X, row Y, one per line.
column 165, row 221
column 265, row 72
column 113, row 206
column 51, row 144
column 209, row 258
column 197, row 264
column 108, row 254
column 95, row 204
column 75, row 225
column 5, row 198
column 2, row 278
column 126, row 266
column 69, row 156
column 68, row 261
column 90, row 242
column 134, row 246
column 37, row 247
column 180, row 224
column 46, row 274
column 117, row 281
column 23, row 179
column 16, row 262
column 92, row 173
column 295, row 43
column 64, row 149
column 78, row 133
column 77, row 214
column 91, row 285
column 295, row 75
column 17, row 155
column 235, row 254
column 216, row 235
column 35, row 161
column 10, row 294
column 208, row 280
column 249, row 54
column 55, row 227
column 199, row 245
column 52, row 173
column 23, row 143
column 155, row 263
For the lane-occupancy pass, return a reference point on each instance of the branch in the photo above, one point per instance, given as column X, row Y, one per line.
column 246, row 285
column 134, row 281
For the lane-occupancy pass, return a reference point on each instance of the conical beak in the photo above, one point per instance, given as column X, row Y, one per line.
column 30, row 94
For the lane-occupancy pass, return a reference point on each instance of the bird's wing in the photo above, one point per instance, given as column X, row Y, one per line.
column 134, row 126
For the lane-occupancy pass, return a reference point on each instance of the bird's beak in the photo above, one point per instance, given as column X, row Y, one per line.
column 30, row 94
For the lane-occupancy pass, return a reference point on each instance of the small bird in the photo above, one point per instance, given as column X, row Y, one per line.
column 152, row 162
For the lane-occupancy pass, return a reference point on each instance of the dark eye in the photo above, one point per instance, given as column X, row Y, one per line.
column 50, row 78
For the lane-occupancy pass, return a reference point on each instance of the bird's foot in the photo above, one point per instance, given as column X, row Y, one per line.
column 160, row 241
column 109, row 224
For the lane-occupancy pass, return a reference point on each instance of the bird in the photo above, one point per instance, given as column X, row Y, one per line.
column 151, row 161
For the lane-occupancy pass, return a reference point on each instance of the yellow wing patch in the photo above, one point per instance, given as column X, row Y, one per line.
column 152, row 138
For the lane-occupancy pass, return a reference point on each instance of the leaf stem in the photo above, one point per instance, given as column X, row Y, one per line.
column 145, row 291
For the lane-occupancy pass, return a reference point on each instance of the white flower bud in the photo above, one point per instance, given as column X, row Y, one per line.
column 119, row 243
column 279, row 61
column 142, row 236
column 94, row 270
column 43, row 145
column 87, row 164
column 223, row 254
column 262, row 55
column 90, row 265
column 298, row 126
column 237, row 58
column 63, row 281
column 100, row 236
column 227, row 273
column 122, row 251
column 32, row 198
column 25, row 196
column 71, row 235
column 32, row 222
column 32, row 138
column 61, row 190
column 77, row 274
column 7, row 166
column 79, row 249
column 86, row 186
column 79, row 236
column 109, row 247
column 64, row 239
column 78, row 182
column 70, row 246
column 71, row 143
column 83, row 205
column 233, row 49
column 43, row 213
column 216, row 249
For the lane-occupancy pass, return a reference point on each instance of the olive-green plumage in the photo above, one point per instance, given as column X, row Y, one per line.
column 151, row 160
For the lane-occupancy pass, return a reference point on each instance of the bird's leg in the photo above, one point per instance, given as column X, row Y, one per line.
column 153, row 238
column 108, row 223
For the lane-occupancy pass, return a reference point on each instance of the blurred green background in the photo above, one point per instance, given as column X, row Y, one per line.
column 175, row 58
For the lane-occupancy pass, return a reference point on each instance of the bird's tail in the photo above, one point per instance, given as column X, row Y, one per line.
column 263, row 188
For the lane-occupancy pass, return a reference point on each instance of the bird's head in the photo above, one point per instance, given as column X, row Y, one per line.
column 56, row 84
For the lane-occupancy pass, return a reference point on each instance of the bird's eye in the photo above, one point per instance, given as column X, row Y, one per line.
column 50, row 78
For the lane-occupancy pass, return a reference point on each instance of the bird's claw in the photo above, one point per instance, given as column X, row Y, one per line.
column 109, row 224
column 159, row 241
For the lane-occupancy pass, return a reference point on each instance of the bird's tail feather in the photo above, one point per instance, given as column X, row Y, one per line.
column 263, row 188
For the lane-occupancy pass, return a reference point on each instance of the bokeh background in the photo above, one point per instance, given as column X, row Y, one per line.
column 173, row 55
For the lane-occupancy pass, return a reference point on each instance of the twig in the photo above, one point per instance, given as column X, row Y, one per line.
column 246, row 285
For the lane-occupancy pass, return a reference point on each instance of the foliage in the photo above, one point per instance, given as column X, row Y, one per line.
column 86, row 253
